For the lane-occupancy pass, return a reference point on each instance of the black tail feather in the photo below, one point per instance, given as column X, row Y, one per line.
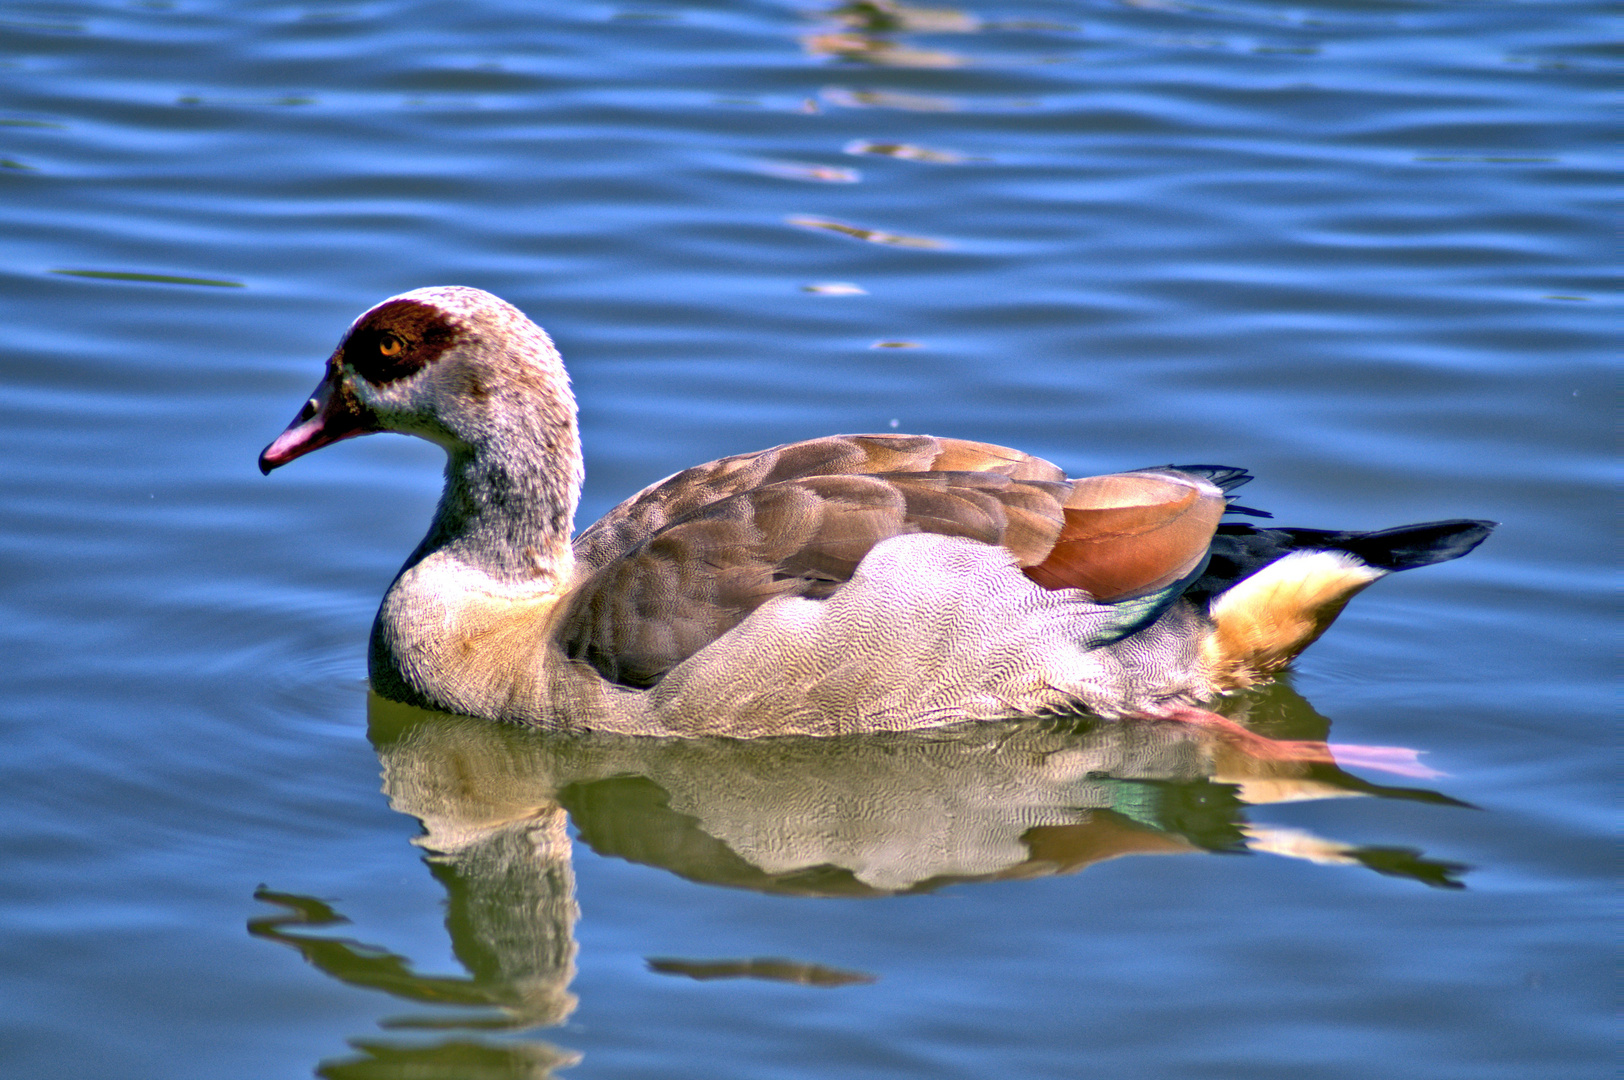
column 1240, row 550
column 1409, row 546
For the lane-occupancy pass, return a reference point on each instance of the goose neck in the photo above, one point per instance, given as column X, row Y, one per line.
column 509, row 515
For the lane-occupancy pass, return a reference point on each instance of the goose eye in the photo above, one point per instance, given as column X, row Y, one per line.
column 390, row 345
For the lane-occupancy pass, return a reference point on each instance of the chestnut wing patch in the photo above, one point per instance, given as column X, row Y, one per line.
column 1129, row 535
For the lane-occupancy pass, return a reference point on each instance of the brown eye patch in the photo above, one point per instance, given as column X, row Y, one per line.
column 398, row 339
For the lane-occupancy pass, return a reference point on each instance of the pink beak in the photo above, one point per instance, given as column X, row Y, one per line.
column 330, row 415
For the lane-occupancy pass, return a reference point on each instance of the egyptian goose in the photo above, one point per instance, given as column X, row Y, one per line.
column 849, row 583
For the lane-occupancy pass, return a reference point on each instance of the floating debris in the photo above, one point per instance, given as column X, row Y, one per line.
column 835, row 288
column 904, row 151
column 887, row 99
column 872, row 236
column 880, row 16
column 797, row 170
column 897, row 344
column 771, row 968
column 882, row 51
column 154, row 279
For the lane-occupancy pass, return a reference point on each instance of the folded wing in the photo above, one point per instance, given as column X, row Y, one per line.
column 688, row 559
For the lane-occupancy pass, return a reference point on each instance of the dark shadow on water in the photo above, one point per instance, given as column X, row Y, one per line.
column 864, row 816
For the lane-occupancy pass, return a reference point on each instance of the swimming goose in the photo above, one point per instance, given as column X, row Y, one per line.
column 849, row 583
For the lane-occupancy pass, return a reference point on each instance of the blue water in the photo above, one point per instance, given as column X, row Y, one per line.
column 1360, row 247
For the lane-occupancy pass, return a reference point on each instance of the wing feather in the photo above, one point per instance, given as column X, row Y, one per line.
column 675, row 568
column 1128, row 535
column 668, row 501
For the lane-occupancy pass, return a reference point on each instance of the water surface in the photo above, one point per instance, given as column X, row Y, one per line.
column 1357, row 247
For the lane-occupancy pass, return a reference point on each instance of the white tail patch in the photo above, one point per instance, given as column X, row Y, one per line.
column 1265, row 620
column 1297, row 844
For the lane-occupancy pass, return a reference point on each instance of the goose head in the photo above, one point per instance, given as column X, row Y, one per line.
column 450, row 364
column 470, row 372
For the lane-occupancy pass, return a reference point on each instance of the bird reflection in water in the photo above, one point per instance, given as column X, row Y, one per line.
column 862, row 816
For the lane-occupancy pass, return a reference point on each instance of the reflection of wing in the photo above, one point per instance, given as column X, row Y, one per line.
column 874, row 815
column 690, row 558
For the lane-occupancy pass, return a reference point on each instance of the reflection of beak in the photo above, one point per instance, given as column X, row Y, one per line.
column 331, row 414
